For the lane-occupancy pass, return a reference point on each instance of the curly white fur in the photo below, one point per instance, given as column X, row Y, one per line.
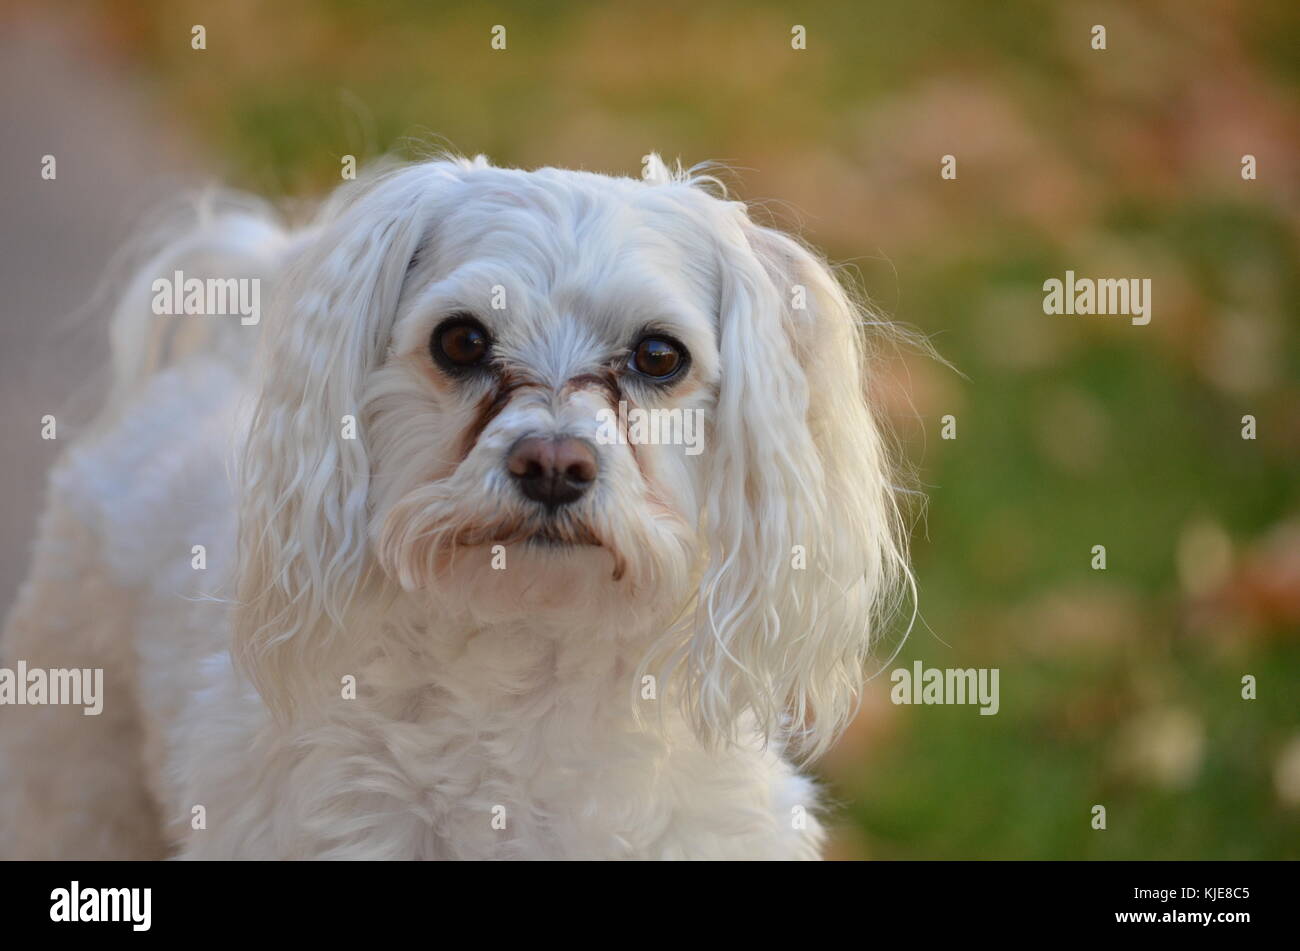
column 635, row 694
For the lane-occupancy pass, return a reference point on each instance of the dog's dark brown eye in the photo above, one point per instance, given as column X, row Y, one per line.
column 460, row 342
column 658, row 357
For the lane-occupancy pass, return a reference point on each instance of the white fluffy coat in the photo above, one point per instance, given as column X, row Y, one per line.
column 636, row 694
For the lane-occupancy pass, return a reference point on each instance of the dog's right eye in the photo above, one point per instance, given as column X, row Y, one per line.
column 460, row 342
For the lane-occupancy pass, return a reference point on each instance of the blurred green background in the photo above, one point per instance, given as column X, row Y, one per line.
column 1119, row 687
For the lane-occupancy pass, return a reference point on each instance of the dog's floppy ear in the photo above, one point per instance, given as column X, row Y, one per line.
column 807, row 549
column 304, row 476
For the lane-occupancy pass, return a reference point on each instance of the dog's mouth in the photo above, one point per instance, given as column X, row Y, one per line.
column 416, row 549
column 556, row 537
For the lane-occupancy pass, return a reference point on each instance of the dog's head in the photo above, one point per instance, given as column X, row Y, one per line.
column 602, row 405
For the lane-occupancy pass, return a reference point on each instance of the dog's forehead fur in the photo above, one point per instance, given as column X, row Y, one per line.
column 566, row 267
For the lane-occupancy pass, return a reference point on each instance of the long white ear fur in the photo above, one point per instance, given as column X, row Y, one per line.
column 808, row 551
column 303, row 555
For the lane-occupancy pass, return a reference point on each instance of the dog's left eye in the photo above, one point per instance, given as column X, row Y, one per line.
column 658, row 357
column 460, row 342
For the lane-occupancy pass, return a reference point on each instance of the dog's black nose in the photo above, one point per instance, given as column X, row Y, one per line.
column 553, row 471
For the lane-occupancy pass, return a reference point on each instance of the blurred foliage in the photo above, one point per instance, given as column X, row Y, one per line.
column 1119, row 687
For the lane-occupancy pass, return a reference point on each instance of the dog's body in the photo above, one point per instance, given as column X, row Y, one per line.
column 384, row 648
column 414, row 770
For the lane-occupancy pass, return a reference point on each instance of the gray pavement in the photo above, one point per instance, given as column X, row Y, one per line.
column 64, row 95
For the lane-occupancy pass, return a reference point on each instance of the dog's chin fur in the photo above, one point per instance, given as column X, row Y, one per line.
column 571, row 587
column 390, row 651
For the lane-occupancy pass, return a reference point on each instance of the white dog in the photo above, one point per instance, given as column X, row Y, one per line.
column 386, row 590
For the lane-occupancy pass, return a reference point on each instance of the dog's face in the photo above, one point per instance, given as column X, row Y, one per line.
column 538, row 428
column 613, row 403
